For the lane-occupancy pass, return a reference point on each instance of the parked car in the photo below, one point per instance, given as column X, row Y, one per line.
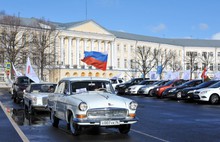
column 148, row 89
column 175, row 92
column 120, row 88
column 36, row 95
column 18, row 87
column 84, row 102
column 133, row 90
column 187, row 93
column 172, row 83
column 116, row 81
column 210, row 94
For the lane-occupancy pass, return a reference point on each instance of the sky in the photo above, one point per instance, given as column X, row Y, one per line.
column 194, row 19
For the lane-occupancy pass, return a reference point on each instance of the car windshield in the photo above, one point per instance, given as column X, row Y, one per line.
column 205, row 84
column 216, row 85
column 46, row 88
column 169, row 82
column 85, row 86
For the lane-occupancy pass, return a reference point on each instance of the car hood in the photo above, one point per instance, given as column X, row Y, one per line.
column 100, row 99
column 206, row 89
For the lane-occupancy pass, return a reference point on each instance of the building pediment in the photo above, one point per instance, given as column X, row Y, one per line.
column 90, row 27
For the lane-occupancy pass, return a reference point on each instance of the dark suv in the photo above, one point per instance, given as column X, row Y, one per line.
column 120, row 88
column 19, row 85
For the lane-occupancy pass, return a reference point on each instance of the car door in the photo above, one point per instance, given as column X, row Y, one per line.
column 60, row 99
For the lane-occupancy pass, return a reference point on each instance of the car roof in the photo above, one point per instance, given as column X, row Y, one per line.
column 85, row 78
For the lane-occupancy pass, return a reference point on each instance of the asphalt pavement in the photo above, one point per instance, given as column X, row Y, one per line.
column 9, row 130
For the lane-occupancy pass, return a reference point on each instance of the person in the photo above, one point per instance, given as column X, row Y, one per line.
column 51, row 89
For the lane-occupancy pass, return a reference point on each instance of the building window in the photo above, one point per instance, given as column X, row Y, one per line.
column 132, row 64
column 203, row 66
column 211, row 54
column 218, row 54
column 125, row 49
column 118, row 61
column 204, row 54
column 211, row 67
column 125, row 63
column 195, row 66
column 218, row 66
column 187, row 66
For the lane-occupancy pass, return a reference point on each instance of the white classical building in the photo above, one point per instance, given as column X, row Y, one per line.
column 76, row 37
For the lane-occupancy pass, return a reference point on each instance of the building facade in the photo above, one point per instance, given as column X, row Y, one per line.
column 75, row 38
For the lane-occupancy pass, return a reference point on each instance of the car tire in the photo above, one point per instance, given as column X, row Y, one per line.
column 54, row 119
column 74, row 128
column 124, row 129
column 214, row 99
column 151, row 93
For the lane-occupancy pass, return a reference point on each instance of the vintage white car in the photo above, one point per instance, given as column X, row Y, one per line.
column 36, row 95
column 90, row 101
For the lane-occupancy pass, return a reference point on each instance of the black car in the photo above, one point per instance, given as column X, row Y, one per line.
column 120, row 88
column 187, row 93
column 175, row 92
column 19, row 85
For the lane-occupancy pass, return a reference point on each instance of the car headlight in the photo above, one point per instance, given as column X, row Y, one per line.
column 83, row 106
column 203, row 92
column 191, row 91
column 133, row 105
column 34, row 100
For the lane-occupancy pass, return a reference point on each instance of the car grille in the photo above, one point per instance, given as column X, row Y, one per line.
column 106, row 113
column 44, row 100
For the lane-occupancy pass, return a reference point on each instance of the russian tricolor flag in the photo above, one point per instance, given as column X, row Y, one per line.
column 96, row 59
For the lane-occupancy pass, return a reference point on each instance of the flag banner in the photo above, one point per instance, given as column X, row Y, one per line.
column 217, row 76
column 203, row 75
column 153, row 75
column 30, row 72
column 16, row 73
column 159, row 69
column 186, row 75
column 96, row 59
column 168, row 75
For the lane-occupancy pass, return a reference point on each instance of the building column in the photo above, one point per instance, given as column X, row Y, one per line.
column 77, row 52
column 70, row 51
column 129, row 57
column 106, row 46
column 183, row 59
column 85, row 44
column 92, row 44
column 99, row 47
column 112, row 55
column 61, row 50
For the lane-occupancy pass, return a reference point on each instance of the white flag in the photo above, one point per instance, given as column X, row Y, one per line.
column 16, row 73
column 186, row 75
column 30, row 72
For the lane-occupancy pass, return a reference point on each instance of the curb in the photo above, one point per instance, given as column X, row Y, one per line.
column 20, row 133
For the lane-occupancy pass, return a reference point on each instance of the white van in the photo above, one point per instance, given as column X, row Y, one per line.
column 116, row 81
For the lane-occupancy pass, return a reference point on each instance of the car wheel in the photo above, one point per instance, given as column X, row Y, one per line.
column 74, row 128
column 151, row 93
column 54, row 119
column 124, row 129
column 214, row 99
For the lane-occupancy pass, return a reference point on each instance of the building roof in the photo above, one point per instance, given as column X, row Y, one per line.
column 33, row 22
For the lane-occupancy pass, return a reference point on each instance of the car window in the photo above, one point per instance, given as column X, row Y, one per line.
column 84, row 86
column 60, row 88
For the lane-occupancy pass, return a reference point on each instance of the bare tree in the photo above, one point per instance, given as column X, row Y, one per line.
column 191, row 62
column 44, row 38
column 12, row 38
column 144, row 60
column 175, row 63
column 163, row 58
column 207, row 59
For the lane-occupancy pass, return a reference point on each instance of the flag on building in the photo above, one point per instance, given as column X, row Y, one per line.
column 15, row 72
column 159, row 69
column 30, row 72
column 96, row 59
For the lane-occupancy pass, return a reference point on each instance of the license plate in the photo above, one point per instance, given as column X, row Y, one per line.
column 110, row 122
